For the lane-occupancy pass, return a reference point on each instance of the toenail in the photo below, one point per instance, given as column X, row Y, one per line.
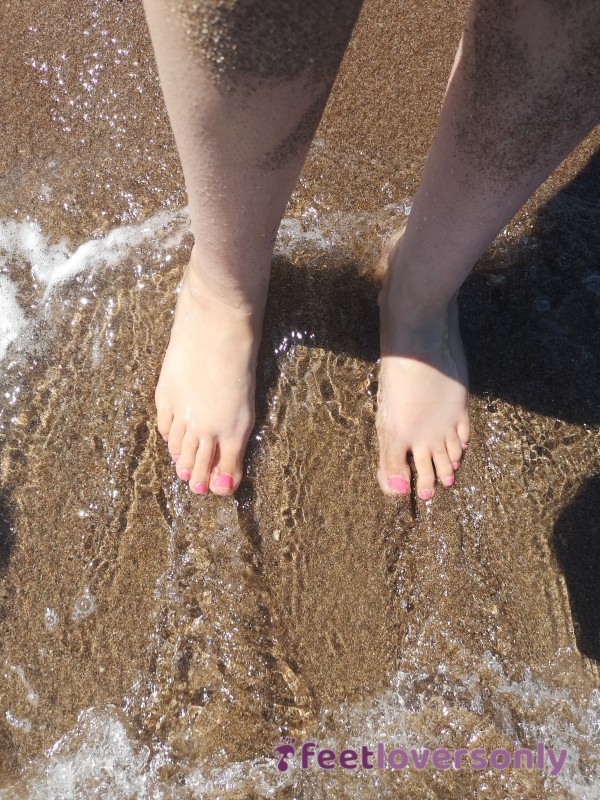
column 398, row 483
column 449, row 480
column 174, row 458
column 465, row 445
column 166, row 438
column 185, row 474
column 455, row 465
column 425, row 494
column 200, row 488
column 224, row 481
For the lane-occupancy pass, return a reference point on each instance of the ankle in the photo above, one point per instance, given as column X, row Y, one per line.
column 216, row 282
column 419, row 308
column 412, row 292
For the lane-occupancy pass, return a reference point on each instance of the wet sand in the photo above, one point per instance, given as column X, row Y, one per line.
column 215, row 625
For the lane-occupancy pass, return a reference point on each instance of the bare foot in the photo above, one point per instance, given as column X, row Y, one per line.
column 423, row 379
column 205, row 393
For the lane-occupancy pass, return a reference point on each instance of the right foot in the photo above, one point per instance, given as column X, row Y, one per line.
column 205, row 392
column 422, row 399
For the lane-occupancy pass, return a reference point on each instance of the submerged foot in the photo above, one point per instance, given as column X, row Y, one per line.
column 205, row 392
column 422, row 399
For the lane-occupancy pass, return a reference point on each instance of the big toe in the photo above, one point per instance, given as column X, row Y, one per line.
column 394, row 472
column 226, row 474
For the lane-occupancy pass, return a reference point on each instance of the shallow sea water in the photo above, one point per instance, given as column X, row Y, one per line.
column 156, row 644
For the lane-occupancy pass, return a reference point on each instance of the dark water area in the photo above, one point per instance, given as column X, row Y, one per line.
column 157, row 644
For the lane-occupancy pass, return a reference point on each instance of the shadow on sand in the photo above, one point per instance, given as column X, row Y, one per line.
column 577, row 547
column 530, row 313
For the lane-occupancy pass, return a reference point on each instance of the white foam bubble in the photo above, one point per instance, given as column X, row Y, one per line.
column 83, row 606
column 19, row 724
column 52, row 265
column 316, row 232
column 32, row 695
column 12, row 318
column 51, row 620
column 96, row 758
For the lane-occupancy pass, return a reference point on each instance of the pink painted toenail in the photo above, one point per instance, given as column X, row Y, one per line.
column 166, row 438
column 398, row 483
column 175, row 458
column 200, row 488
column 449, row 480
column 185, row 474
column 455, row 464
column 465, row 445
column 425, row 494
column 224, row 481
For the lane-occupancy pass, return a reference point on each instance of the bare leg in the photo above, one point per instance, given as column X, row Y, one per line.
column 245, row 85
column 525, row 89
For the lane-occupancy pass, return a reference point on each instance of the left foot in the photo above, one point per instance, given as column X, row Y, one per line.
column 422, row 398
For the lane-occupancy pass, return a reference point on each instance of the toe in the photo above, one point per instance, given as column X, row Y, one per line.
column 454, row 448
column 463, row 431
column 425, row 474
column 398, row 482
column 176, row 434
column 226, row 473
column 394, row 473
column 186, row 460
column 201, row 471
column 164, row 419
column 443, row 468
